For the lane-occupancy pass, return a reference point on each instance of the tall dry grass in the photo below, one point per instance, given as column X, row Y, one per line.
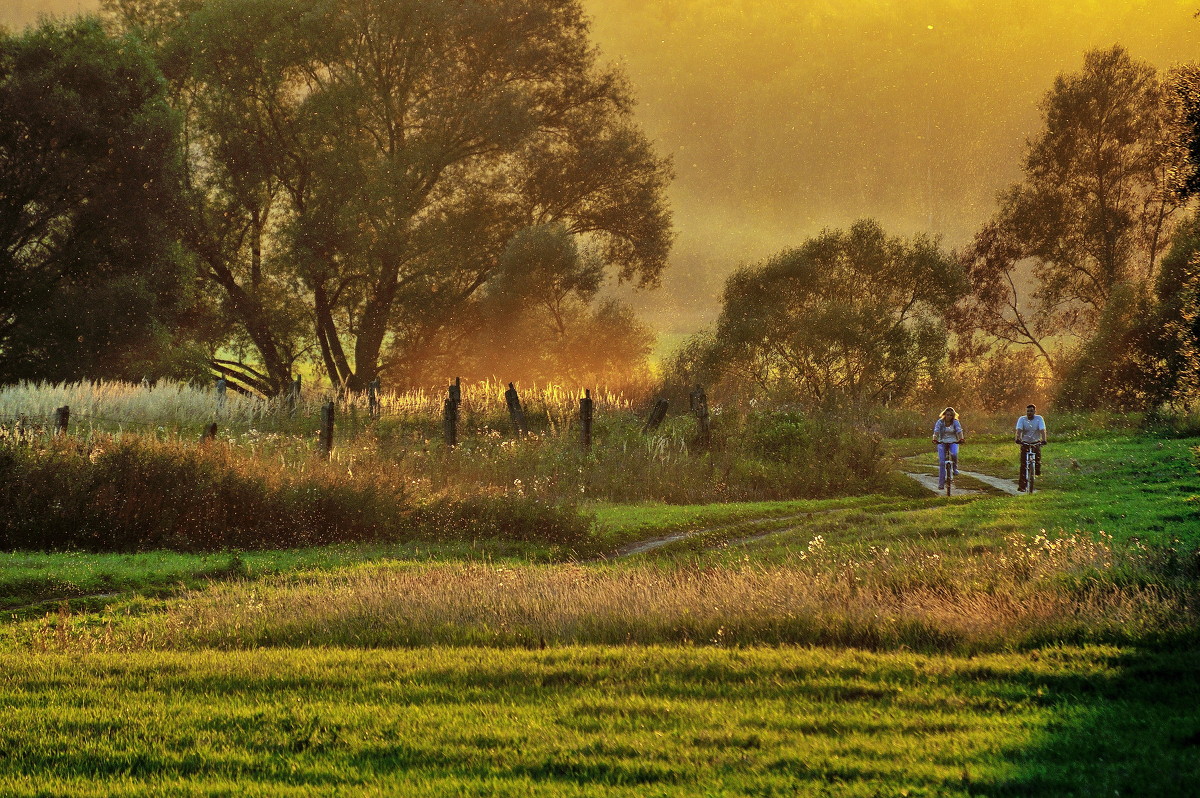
column 103, row 404
column 134, row 493
column 759, row 455
column 1029, row 592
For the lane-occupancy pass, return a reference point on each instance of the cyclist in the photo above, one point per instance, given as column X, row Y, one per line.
column 947, row 434
column 1031, row 429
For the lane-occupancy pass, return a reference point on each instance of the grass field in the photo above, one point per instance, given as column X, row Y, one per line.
column 883, row 645
column 628, row 721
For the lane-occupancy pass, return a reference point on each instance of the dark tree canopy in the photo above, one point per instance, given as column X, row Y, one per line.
column 851, row 315
column 90, row 284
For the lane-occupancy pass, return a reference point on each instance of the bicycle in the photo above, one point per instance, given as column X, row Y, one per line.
column 1031, row 452
column 949, row 466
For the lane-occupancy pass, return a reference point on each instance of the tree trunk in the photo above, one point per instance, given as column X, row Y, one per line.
column 331, row 346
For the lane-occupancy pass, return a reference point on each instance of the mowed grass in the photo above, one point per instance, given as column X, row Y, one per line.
column 619, row 721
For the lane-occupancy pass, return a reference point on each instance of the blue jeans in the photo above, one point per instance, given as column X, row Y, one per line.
column 945, row 451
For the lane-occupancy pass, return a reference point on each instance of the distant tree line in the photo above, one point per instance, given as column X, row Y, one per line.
column 1084, row 286
column 375, row 187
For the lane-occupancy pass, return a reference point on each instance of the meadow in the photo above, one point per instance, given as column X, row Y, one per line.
column 878, row 641
column 611, row 721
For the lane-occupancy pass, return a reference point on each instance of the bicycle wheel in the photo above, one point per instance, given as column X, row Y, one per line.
column 948, row 469
column 1030, row 467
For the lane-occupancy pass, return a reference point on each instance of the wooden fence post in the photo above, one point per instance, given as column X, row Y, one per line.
column 373, row 398
column 585, row 418
column 327, row 429
column 450, row 422
column 209, row 434
column 293, row 395
column 515, row 411
column 456, row 392
column 657, row 414
column 699, row 404
column 62, row 417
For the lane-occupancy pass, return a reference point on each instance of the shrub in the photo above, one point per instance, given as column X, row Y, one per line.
column 129, row 494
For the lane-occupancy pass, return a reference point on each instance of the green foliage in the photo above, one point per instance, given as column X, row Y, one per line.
column 848, row 317
column 362, row 169
column 811, row 456
column 1175, row 344
column 1116, row 367
column 90, row 283
column 1145, row 351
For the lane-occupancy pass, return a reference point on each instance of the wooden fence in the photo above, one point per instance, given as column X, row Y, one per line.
column 450, row 415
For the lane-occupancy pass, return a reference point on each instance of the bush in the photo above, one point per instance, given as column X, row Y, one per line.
column 786, row 455
column 130, row 494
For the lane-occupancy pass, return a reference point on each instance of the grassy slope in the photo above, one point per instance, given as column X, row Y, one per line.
column 1125, row 485
column 638, row 720
column 34, row 578
column 626, row 721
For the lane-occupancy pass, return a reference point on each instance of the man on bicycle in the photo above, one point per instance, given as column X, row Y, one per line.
column 947, row 434
column 1031, row 431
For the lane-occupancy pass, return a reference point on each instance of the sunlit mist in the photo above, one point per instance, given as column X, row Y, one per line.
column 788, row 117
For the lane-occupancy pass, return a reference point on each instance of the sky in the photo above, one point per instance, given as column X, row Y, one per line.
column 786, row 117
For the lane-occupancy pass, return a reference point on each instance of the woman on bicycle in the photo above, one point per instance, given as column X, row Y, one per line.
column 947, row 434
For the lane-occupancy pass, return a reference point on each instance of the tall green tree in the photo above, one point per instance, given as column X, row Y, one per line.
column 90, row 284
column 390, row 151
column 851, row 315
column 1104, row 183
column 1168, row 339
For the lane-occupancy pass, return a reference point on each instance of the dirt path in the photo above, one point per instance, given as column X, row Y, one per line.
column 643, row 546
column 928, row 480
column 931, row 481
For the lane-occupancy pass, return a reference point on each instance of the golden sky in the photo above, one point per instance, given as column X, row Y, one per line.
column 788, row 116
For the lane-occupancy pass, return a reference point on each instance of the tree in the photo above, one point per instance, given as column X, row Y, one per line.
column 1183, row 85
column 540, row 318
column 1170, row 341
column 849, row 315
column 386, row 152
column 90, row 284
column 1117, row 367
column 1103, row 184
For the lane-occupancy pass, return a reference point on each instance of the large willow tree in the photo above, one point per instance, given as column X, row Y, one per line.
column 358, row 168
